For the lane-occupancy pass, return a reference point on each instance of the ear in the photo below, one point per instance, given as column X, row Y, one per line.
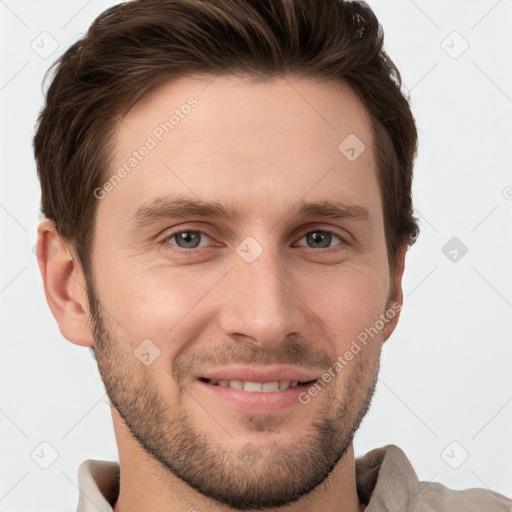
column 64, row 285
column 396, row 298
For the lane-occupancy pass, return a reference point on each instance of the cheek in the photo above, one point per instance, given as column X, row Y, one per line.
column 159, row 304
column 348, row 299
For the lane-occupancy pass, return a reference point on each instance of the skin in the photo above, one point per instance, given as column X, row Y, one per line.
column 260, row 147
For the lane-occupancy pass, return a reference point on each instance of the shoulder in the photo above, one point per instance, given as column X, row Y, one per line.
column 441, row 498
column 386, row 480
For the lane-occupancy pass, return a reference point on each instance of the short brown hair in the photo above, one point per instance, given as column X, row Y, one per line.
column 135, row 46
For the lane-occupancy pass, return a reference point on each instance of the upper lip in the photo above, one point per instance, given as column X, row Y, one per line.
column 261, row 374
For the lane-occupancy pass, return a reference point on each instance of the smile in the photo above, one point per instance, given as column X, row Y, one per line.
column 257, row 387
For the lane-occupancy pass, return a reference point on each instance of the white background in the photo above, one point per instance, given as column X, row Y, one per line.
column 445, row 373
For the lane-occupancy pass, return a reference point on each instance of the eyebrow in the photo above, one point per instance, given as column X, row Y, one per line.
column 177, row 207
column 333, row 210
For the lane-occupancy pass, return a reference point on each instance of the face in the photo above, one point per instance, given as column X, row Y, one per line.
column 237, row 261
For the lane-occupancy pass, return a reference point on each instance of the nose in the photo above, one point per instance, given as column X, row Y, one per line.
column 261, row 303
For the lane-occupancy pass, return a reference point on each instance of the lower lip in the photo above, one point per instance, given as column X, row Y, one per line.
column 255, row 401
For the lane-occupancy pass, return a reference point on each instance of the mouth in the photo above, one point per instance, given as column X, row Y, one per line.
column 257, row 387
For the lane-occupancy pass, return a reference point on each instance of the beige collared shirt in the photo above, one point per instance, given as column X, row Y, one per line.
column 385, row 478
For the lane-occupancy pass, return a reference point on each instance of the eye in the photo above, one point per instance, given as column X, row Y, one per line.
column 187, row 239
column 320, row 239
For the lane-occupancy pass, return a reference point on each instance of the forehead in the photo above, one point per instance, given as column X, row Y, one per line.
column 262, row 144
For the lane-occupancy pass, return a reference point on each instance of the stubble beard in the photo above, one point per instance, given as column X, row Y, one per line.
column 253, row 476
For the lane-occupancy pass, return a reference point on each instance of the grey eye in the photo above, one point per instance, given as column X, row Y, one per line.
column 319, row 239
column 187, row 239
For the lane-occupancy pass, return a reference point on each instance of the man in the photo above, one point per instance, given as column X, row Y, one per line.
column 227, row 193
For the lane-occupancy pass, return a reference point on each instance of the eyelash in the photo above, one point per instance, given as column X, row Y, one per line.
column 165, row 241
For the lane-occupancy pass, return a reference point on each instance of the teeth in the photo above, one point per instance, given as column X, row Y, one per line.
column 270, row 386
column 256, row 387
column 237, row 384
column 253, row 386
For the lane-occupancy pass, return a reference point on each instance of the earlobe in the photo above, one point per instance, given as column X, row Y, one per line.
column 64, row 285
column 395, row 301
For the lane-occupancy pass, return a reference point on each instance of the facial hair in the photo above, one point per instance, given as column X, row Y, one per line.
column 248, row 478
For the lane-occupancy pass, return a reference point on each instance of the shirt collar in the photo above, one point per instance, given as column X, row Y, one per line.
column 385, row 481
